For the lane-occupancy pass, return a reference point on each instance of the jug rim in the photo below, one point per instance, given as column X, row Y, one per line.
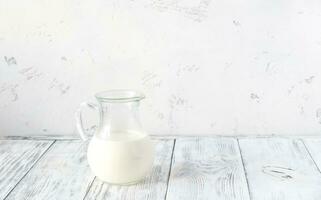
column 120, row 95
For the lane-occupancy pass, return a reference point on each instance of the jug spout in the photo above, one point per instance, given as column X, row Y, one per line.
column 118, row 96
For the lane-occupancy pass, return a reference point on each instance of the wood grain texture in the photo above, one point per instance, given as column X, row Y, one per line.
column 152, row 188
column 63, row 173
column 280, row 169
column 314, row 148
column 16, row 159
column 207, row 168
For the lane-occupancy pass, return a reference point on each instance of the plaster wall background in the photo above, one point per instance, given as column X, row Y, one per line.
column 206, row 67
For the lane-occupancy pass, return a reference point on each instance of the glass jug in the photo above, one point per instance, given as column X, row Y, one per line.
column 119, row 152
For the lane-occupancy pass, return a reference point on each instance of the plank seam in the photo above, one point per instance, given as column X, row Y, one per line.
column 89, row 187
column 170, row 169
column 245, row 172
column 41, row 156
column 307, row 149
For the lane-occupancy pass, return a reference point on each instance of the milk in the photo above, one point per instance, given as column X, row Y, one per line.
column 121, row 158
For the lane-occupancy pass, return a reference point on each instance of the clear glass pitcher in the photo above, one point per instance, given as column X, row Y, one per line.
column 119, row 152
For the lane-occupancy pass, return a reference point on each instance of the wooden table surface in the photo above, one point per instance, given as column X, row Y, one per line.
column 266, row 168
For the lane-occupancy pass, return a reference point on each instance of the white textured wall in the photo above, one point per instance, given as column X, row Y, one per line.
column 206, row 66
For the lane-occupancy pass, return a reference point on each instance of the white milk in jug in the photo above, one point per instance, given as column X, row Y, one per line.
column 122, row 158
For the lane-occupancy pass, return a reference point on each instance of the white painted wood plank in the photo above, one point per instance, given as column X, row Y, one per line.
column 314, row 148
column 207, row 168
column 280, row 169
column 16, row 158
column 62, row 173
column 152, row 188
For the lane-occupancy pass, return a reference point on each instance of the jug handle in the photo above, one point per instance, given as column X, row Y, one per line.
column 79, row 121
